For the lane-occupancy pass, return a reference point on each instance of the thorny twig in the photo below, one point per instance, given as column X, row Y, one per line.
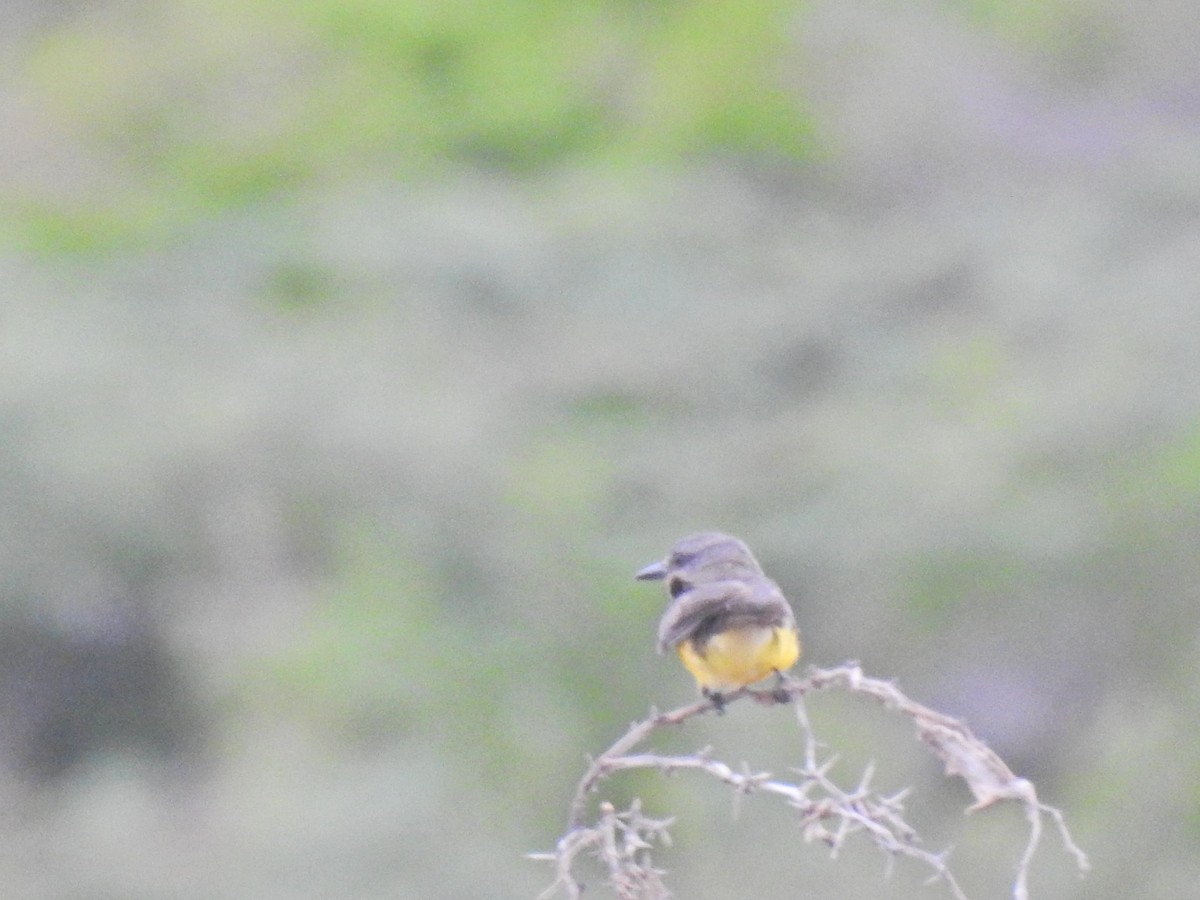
column 623, row 841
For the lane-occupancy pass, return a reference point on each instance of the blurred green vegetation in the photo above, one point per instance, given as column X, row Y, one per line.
column 1164, row 476
column 373, row 647
column 327, row 464
column 206, row 104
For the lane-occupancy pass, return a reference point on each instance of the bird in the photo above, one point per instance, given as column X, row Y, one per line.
column 729, row 622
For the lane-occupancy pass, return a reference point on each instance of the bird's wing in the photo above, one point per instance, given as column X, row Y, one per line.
column 735, row 604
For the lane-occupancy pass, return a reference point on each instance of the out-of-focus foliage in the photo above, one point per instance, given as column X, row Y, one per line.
column 179, row 111
column 419, row 327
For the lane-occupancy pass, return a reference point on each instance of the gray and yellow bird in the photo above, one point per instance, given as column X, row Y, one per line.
column 729, row 623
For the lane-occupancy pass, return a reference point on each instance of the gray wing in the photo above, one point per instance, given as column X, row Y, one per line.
column 734, row 604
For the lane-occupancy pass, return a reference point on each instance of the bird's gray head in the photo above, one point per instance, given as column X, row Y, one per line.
column 706, row 556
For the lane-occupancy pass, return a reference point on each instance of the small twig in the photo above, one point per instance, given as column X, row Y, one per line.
column 622, row 842
column 637, row 733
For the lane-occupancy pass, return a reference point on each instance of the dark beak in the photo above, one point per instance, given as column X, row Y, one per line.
column 652, row 572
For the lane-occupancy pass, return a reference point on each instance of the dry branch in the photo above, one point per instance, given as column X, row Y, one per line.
column 623, row 841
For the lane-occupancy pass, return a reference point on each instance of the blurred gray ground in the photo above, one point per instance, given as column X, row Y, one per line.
column 316, row 528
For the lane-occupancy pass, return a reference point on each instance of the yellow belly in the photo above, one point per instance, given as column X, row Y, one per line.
column 733, row 659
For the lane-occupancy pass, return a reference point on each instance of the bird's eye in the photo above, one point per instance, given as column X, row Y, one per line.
column 681, row 559
column 677, row 586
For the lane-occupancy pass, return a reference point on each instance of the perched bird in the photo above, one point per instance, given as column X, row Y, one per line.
column 729, row 623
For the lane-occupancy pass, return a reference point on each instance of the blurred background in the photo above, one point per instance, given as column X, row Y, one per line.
column 355, row 353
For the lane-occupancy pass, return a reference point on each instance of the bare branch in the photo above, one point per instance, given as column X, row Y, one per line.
column 623, row 841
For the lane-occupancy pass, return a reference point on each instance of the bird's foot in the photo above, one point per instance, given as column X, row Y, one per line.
column 716, row 698
column 780, row 694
